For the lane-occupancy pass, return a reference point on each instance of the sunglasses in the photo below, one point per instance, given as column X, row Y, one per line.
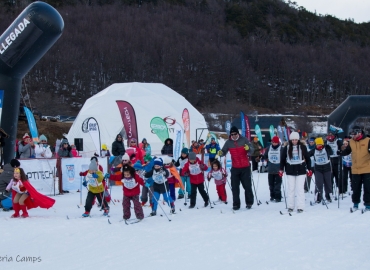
column 233, row 134
column 124, row 160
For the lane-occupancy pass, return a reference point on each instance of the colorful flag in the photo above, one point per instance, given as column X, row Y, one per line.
column 272, row 131
column 228, row 127
column 186, row 122
column 247, row 128
column 159, row 127
column 178, row 138
column 129, row 120
column 259, row 134
column 32, row 124
column 242, row 123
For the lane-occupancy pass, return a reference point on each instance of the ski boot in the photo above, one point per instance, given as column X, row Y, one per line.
column 355, row 207
column 153, row 213
column 290, row 210
column 86, row 214
column 300, row 211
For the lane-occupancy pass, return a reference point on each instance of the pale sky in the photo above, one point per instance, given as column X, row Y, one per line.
column 359, row 10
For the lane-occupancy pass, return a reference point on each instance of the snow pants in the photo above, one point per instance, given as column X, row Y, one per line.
column 90, row 199
column 166, row 198
column 187, row 185
column 221, row 191
column 126, row 203
column 296, row 188
column 323, row 180
column 172, row 192
column 335, row 170
column 145, row 193
column 357, row 181
column 203, row 193
column 241, row 176
column 275, row 186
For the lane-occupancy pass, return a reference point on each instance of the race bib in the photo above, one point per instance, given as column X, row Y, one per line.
column 91, row 181
column 194, row 169
column 217, row 175
column 129, row 183
column 158, row 178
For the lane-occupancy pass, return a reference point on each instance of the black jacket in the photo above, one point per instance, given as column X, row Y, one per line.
column 295, row 169
column 5, row 178
column 118, row 148
column 325, row 167
column 167, row 149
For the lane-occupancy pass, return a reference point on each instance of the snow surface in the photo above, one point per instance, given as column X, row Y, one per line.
column 202, row 238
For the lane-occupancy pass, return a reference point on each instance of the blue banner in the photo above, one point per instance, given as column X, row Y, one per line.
column 1, row 102
column 228, row 127
column 31, row 124
column 242, row 123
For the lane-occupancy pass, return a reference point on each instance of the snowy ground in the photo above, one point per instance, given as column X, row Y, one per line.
column 201, row 238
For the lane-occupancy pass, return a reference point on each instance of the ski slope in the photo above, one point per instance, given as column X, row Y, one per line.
column 202, row 238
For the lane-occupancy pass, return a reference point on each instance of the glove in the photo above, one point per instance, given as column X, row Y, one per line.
column 220, row 153
column 107, row 175
column 147, row 185
column 94, row 175
column 81, row 174
column 246, row 147
column 281, row 173
column 202, row 167
column 309, row 173
column 209, row 179
column 84, row 183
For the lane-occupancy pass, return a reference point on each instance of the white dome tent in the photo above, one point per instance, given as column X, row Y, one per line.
column 148, row 100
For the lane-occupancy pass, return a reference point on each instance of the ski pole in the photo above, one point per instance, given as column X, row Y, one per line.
column 255, row 194
column 159, row 204
column 169, row 199
column 80, row 190
column 209, row 200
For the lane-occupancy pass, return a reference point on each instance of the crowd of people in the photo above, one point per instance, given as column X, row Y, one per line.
column 144, row 177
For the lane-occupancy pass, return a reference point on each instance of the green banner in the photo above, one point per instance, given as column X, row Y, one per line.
column 159, row 127
column 272, row 131
column 259, row 134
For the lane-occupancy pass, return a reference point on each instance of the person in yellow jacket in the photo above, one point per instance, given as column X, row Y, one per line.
column 94, row 184
column 359, row 147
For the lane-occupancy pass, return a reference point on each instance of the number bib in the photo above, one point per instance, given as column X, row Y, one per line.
column 347, row 160
column 334, row 146
column 91, row 181
column 129, row 183
column 158, row 177
column 321, row 157
column 194, row 169
column 17, row 187
column 182, row 162
column 217, row 175
column 296, row 156
column 274, row 155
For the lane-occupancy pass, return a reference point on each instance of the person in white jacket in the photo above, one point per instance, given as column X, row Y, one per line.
column 42, row 149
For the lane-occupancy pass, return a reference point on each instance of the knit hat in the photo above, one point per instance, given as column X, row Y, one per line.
column 14, row 163
column 143, row 140
column 26, row 136
column 357, row 129
column 185, row 151
column 312, row 139
column 126, row 157
column 104, row 147
column 192, row 156
column 234, row 129
column 138, row 166
column 275, row 139
column 63, row 141
column 93, row 166
column 133, row 140
column 319, row 141
column 43, row 138
column 304, row 134
column 294, row 136
column 213, row 139
column 255, row 139
column 158, row 161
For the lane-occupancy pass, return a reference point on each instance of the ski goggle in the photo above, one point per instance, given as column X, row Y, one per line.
column 356, row 131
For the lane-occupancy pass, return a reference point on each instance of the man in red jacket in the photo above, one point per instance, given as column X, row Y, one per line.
column 239, row 147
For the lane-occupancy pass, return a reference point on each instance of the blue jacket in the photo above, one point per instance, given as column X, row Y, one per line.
column 212, row 149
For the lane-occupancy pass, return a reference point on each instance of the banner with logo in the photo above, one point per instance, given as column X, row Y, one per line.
column 32, row 124
column 129, row 120
column 247, row 128
column 228, row 127
column 259, row 134
column 186, row 122
column 71, row 168
column 178, row 139
column 1, row 103
column 91, row 126
column 40, row 173
column 159, row 127
column 272, row 131
column 242, row 121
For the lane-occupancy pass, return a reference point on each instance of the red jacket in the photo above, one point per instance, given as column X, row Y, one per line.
column 134, row 191
column 195, row 171
column 239, row 156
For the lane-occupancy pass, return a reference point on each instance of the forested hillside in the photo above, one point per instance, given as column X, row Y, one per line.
column 221, row 55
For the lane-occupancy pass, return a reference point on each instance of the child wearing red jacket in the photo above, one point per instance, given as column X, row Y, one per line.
column 219, row 174
column 131, row 192
column 195, row 168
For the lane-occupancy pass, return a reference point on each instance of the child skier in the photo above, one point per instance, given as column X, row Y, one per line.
column 25, row 196
column 173, row 178
column 160, row 185
column 219, row 174
column 195, row 168
column 93, row 182
column 181, row 161
column 131, row 191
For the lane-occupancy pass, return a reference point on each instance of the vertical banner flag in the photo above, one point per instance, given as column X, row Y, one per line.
column 272, row 131
column 247, row 127
column 259, row 134
column 32, row 124
column 159, row 127
column 91, row 126
column 178, row 139
column 228, row 127
column 210, row 136
column 242, row 123
column 186, row 122
column 129, row 120
column 1, row 102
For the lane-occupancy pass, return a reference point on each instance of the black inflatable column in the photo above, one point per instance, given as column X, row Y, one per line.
column 22, row 45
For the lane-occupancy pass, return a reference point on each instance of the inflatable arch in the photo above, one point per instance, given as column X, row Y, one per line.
column 352, row 108
column 22, row 45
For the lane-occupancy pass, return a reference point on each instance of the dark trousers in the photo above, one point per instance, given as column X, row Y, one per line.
column 211, row 160
column 323, row 180
column 203, row 193
column 90, row 199
column 241, row 176
column 357, row 181
column 335, row 171
column 275, row 186
column 347, row 172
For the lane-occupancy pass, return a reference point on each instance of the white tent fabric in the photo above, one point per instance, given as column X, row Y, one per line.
column 148, row 100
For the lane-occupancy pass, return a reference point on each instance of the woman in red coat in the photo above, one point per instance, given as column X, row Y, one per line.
column 25, row 196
